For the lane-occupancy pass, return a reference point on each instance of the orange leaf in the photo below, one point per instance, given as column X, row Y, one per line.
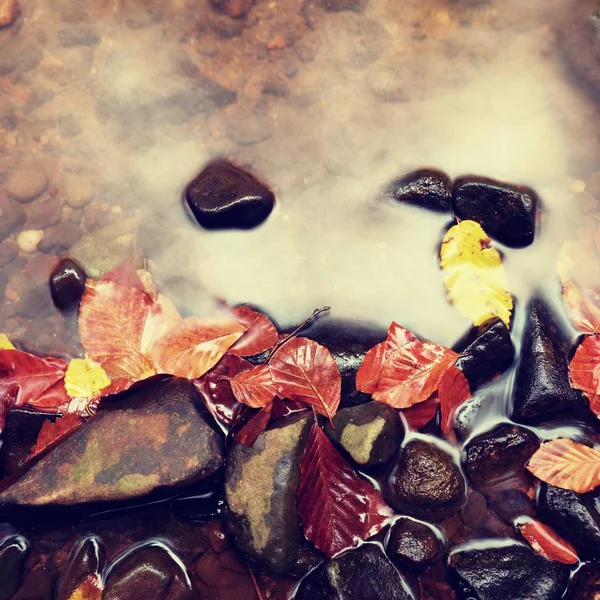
column 195, row 346
column 254, row 426
column 52, row 433
column 259, row 336
column 594, row 403
column 162, row 317
column 453, row 391
column 567, row 464
column 583, row 307
column 413, row 373
column 304, row 371
column 254, row 387
column 547, row 543
column 584, row 370
column 399, row 336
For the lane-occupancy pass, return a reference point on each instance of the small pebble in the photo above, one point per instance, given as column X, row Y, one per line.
column 26, row 184
column 277, row 43
column 29, row 240
column 78, row 191
column 9, row 11
column 577, row 186
column 67, row 284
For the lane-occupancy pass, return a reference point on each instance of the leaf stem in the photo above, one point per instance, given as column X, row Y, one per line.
column 256, row 587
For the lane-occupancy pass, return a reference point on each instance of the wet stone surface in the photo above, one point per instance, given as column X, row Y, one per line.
column 425, row 188
column 414, row 544
column 88, row 557
column 67, row 284
column 585, row 584
column 12, row 558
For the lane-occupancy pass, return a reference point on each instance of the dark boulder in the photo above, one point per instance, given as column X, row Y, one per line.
column 542, row 387
column 585, row 584
column 492, row 570
column 426, row 482
column 88, row 557
column 425, row 188
column 506, row 212
column 370, row 433
column 224, row 196
column 163, row 442
column 413, row 543
column 361, row 574
column 573, row 516
column 493, row 456
column 12, row 558
column 67, row 284
column 260, row 488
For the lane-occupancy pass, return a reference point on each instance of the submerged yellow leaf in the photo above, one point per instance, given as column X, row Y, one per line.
column 5, row 343
column 85, row 378
column 475, row 278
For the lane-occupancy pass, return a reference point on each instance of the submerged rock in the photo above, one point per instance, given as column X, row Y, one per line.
column 425, row 483
column 151, row 438
column 67, row 284
column 370, row 433
column 585, row 584
column 473, row 412
column 88, row 557
column 9, row 11
column 506, row 212
column 413, row 543
column 573, row 516
column 361, row 574
column 493, row 570
column 12, row 558
column 426, row 188
column 339, row 5
column 223, row 196
column 542, row 386
column 233, row 8
column 26, row 183
column 260, row 488
column 12, row 217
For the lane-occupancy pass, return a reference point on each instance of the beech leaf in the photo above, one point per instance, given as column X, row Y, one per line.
column 260, row 335
column 52, row 433
column 419, row 415
column 337, row 508
column 5, row 343
column 584, row 370
column 413, row 373
column 304, row 371
column 567, row 464
column 594, row 403
column 254, row 426
column 474, row 275
column 547, row 543
column 254, row 387
column 85, row 378
column 453, row 392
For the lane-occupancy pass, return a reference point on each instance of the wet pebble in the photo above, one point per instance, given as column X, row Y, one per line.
column 388, row 81
column 34, row 301
column 9, row 11
column 339, row 5
column 88, row 557
column 67, row 284
column 426, row 188
column 29, row 240
column 68, row 127
column 22, row 57
column 78, row 190
column 12, row 217
column 585, row 584
column 226, row 27
column 26, row 184
column 233, row 8
column 249, row 129
column 12, row 557
column 413, row 543
column 60, row 238
column 43, row 213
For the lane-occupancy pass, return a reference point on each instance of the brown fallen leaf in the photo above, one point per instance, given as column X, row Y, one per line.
column 547, row 543
column 254, row 387
column 52, row 433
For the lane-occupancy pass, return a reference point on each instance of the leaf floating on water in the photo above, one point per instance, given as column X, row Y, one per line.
column 584, row 370
column 52, row 433
column 419, row 415
column 547, row 543
column 254, row 387
column 337, row 508
column 453, row 392
column 567, row 464
column 85, row 378
column 304, row 371
column 5, row 343
column 260, row 335
column 474, row 275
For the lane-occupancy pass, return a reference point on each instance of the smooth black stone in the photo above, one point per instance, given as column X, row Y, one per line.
column 542, row 387
column 510, row 571
column 370, row 433
column 12, row 557
column 361, row 574
column 67, row 284
column 573, row 516
column 492, row 352
column 506, row 212
column 490, row 457
column 585, row 584
column 87, row 557
column 413, row 543
column 426, row 188
column 224, row 196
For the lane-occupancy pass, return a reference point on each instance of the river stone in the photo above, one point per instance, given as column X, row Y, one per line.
column 78, row 190
column 260, row 488
column 492, row 352
column 413, row 543
column 585, row 584
column 361, row 574
column 370, row 433
column 490, row 457
column 151, row 573
column 542, row 386
column 162, row 442
column 339, row 5
column 9, row 11
column 223, row 196
column 426, row 482
column 88, row 557
column 60, row 238
column 495, row 570
column 101, row 251
column 67, row 284
column 12, row 557
column 425, row 188
column 506, row 212
column 573, row 516
column 12, row 217
column 26, row 183
column 473, row 412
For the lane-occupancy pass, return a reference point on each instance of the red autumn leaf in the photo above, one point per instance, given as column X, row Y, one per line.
column 254, row 387
column 594, row 403
column 304, row 371
column 337, row 508
column 584, row 369
column 547, row 543
column 52, row 433
column 259, row 336
column 413, row 373
column 567, row 464
column 583, row 307
column 254, row 426
column 195, row 346
column 453, row 391
column 419, row 415
column 399, row 336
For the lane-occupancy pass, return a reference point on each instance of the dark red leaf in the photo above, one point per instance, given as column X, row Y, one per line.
column 337, row 508
column 254, row 426
column 254, row 387
column 419, row 415
column 304, row 371
column 261, row 334
column 453, row 391
column 547, row 543
column 584, row 369
column 52, row 433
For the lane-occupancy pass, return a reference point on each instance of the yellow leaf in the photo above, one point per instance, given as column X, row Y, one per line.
column 89, row 589
column 5, row 343
column 475, row 278
column 85, row 378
